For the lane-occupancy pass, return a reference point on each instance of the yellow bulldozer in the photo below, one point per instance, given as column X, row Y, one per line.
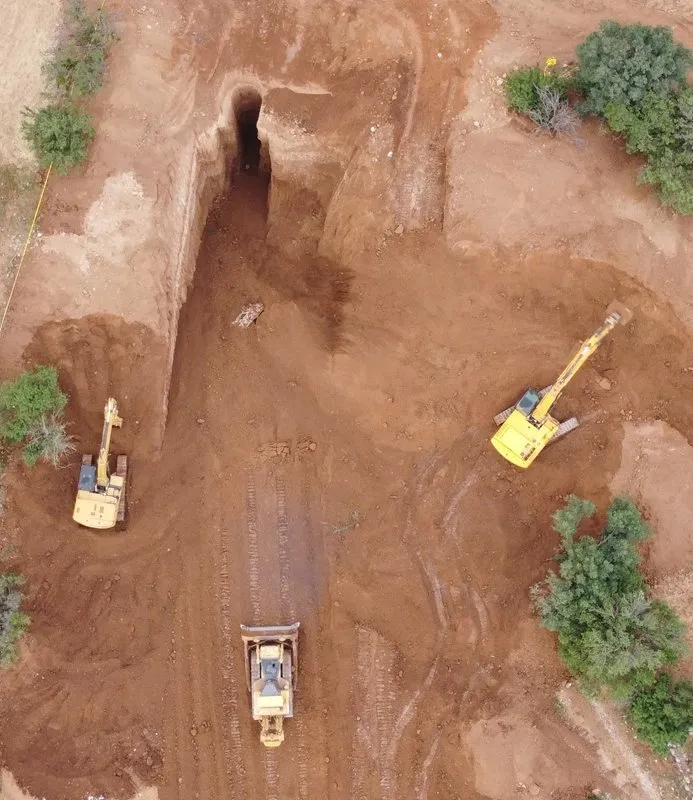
column 271, row 662
column 100, row 499
column 527, row 427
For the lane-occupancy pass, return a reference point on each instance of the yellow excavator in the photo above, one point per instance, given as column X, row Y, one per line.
column 100, row 499
column 527, row 427
column 271, row 662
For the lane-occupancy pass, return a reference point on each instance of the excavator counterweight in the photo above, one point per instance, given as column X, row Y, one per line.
column 271, row 663
column 100, row 501
column 527, row 427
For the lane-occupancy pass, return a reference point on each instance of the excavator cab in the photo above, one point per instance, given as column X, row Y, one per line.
column 100, row 501
column 528, row 402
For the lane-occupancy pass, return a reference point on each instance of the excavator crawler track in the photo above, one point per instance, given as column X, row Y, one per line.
column 499, row 419
column 122, row 472
column 564, row 428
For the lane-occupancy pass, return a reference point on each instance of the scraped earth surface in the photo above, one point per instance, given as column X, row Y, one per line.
column 330, row 464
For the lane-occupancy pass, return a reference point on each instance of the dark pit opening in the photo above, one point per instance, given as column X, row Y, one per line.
column 252, row 157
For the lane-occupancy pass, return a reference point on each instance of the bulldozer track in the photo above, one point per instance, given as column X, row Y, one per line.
column 253, row 548
column 288, row 610
column 374, row 670
column 287, row 604
column 271, row 774
column 231, row 690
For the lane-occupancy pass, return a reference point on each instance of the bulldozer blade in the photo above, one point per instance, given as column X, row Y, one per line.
column 286, row 633
column 625, row 315
column 499, row 419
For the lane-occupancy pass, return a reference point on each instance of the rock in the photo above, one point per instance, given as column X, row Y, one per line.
column 248, row 315
column 399, row 230
column 200, row 420
column 193, row 731
column 533, row 789
column 604, row 383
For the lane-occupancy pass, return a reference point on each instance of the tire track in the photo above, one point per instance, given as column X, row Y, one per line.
column 232, row 744
column 253, row 548
column 288, row 609
column 375, row 660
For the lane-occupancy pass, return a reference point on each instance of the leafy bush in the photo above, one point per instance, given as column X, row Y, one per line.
column 555, row 115
column 78, row 63
column 28, row 398
column 661, row 128
column 522, row 88
column 609, row 632
column 622, row 63
column 662, row 714
column 59, row 134
column 48, row 439
column 13, row 622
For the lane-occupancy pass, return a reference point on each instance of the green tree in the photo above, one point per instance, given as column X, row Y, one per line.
column 661, row 129
column 662, row 714
column 58, row 134
column 13, row 622
column 622, row 63
column 609, row 632
column 28, row 398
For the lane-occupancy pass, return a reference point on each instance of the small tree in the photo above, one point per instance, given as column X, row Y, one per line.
column 48, row 439
column 609, row 632
column 28, row 398
column 13, row 623
column 662, row 714
column 58, row 134
column 621, row 63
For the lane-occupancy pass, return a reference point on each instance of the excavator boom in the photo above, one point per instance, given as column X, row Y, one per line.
column 110, row 420
column 586, row 349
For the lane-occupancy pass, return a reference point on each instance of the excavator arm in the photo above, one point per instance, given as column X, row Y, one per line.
column 586, row 349
column 110, row 420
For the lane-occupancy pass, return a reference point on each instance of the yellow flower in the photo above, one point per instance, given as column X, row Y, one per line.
column 549, row 65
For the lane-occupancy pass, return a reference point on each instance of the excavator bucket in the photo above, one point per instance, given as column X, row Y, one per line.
column 625, row 315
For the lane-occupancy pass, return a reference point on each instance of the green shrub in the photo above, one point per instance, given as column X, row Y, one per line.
column 48, row 439
column 58, row 134
column 13, row 623
column 662, row 714
column 523, row 84
column 609, row 632
column 661, row 128
column 28, row 398
column 78, row 63
column 622, row 63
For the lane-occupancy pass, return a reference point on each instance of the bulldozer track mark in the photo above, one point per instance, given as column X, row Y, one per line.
column 288, row 609
column 232, row 743
column 253, row 549
column 271, row 774
column 375, row 660
column 287, row 604
column 422, row 783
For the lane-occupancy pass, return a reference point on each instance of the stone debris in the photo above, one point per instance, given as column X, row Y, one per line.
column 248, row 315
